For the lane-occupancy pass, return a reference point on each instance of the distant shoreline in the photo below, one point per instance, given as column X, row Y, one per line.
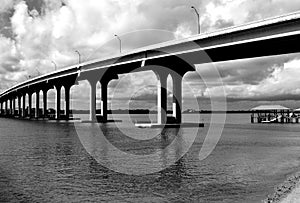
column 145, row 111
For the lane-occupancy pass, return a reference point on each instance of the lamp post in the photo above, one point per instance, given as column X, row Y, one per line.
column 119, row 43
column 55, row 66
column 198, row 17
column 79, row 56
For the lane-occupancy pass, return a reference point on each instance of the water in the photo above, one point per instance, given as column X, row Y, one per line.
column 46, row 162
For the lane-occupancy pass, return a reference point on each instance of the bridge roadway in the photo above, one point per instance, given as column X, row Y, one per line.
column 274, row 36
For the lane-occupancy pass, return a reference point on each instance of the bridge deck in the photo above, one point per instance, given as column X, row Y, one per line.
column 273, row 36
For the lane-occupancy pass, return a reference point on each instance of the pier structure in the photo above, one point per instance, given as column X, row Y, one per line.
column 271, row 114
column 275, row 36
column 274, row 114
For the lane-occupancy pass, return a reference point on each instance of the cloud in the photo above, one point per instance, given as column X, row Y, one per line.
column 221, row 13
column 53, row 31
column 48, row 30
column 6, row 5
column 130, row 85
column 281, row 83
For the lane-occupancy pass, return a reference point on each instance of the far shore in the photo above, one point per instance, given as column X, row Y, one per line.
column 146, row 111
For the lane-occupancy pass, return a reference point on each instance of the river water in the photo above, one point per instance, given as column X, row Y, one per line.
column 47, row 162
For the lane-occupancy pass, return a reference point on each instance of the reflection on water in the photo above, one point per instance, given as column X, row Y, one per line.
column 133, row 156
column 46, row 162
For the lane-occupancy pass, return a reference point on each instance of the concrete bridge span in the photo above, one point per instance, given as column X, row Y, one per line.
column 275, row 36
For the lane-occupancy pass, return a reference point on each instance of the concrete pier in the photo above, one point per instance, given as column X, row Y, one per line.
column 19, row 106
column 30, row 104
column 45, row 101
column 161, row 97
column 58, row 92
column 93, row 84
column 37, row 104
column 24, row 105
column 67, row 101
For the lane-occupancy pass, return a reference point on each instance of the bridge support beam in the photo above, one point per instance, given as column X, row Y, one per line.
column 58, row 90
column 37, row 104
column 103, row 102
column 93, row 84
column 67, row 100
column 45, row 109
column 29, row 104
column 6, row 107
column 161, row 97
column 1, row 110
column 177, row 97
column 24, row 106
column 11, row 107
column 19, row 106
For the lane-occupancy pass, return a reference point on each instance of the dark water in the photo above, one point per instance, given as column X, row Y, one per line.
column 46, row 162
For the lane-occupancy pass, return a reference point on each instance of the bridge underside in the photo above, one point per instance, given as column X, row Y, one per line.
column 275, row 37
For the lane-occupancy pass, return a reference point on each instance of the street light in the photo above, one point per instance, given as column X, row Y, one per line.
column 55, row 66
column 120, row 42
column 198, row 17
column 79, row 56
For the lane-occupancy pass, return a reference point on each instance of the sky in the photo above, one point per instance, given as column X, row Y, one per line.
column 36, row 34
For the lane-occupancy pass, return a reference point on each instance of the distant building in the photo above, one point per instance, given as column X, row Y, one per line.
column 273, row 114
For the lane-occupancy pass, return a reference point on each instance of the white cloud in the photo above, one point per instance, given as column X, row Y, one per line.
column 238, row 12
column 6, row 5
column 282, row 81
column 89, row 26
column 228, row 10
column 183, row 31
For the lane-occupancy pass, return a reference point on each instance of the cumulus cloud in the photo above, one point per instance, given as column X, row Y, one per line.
column 6, row 5
column 281, row 83
column 221, row 13
column 48, row 30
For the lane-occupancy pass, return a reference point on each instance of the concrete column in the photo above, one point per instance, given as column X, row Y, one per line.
column 29, row 104
column 58, row 90
column 11, row 107
column 1, row 110
column 37, row 104
column 6, row 107
column 93, row 100
column 24, row 106
column 67, row 100
column 177, row 97
column 104, row 100
column 45, row 109
column 162, row 97
column 19, row 106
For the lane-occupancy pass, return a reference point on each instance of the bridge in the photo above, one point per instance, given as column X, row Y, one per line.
column 274, row 36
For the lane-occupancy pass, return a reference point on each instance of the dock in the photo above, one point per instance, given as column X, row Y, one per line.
column 274, row 114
